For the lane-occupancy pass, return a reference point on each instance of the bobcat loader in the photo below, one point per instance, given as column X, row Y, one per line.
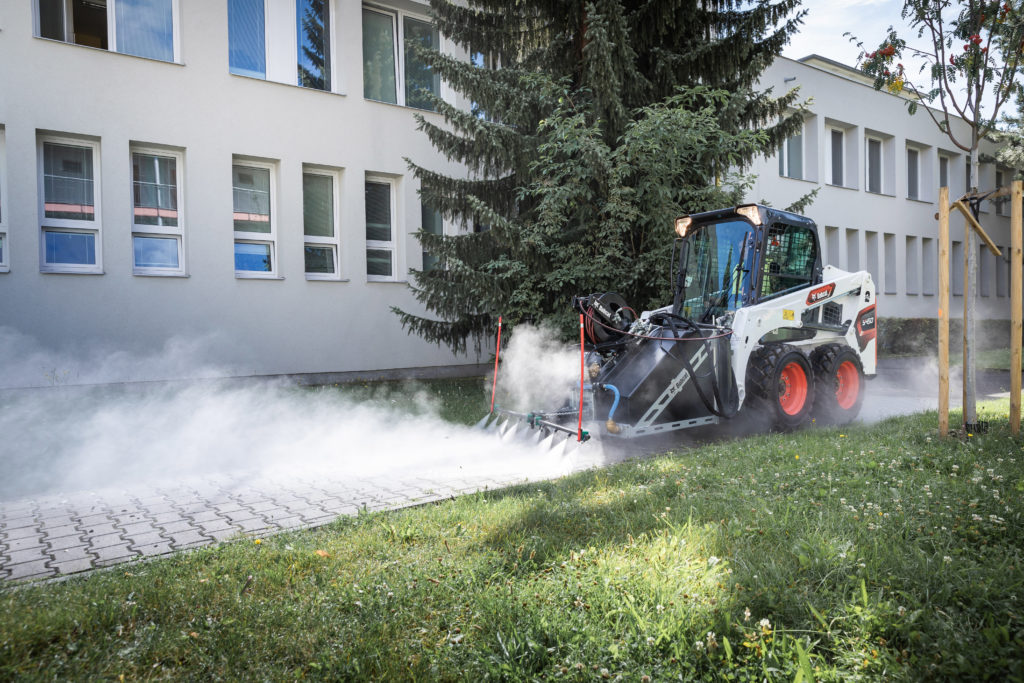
column 757, row 327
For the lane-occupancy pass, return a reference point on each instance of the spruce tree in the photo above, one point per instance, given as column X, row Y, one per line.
column 593, row 123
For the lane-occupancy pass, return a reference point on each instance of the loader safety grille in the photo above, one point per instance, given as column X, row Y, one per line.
column 832, row 314
column 789, row 258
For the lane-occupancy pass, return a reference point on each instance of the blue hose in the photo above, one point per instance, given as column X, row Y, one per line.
column 615, row 403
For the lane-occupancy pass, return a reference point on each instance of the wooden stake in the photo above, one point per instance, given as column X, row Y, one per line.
column 1015, row 305
column 943, row 312
column 973, row 222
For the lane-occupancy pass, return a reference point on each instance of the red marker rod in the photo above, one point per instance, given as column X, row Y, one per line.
column 579, row 426
column 497, row 353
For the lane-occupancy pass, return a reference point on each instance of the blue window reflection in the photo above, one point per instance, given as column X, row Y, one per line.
column 252, row 257
column 146, row 28
column 313, row 31
column 155, row 252
column 246, row 38
column 72, row 248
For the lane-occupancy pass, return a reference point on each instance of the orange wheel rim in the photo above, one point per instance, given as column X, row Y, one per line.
column 792, row 388
column 849, row 385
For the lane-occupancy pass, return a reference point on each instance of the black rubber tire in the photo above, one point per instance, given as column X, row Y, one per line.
column 826, row 361
column 767, row 390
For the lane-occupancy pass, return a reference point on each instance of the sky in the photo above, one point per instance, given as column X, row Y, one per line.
column 827, row 20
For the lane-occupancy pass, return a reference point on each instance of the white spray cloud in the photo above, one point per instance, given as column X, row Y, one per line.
column 537, row 370
column 91, row 420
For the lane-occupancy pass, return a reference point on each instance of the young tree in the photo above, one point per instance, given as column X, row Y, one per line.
column 971, row 70
column 567, row 189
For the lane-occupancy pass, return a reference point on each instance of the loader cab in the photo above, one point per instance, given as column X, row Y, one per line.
column 742, row 256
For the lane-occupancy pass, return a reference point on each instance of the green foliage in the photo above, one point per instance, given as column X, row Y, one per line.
column 974, row 59
column 873, row 552
column 605, row 120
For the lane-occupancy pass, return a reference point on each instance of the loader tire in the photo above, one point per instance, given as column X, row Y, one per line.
column 839, row 384
column 780, row 385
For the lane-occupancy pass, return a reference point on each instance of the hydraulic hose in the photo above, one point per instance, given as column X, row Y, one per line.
column 610, row 424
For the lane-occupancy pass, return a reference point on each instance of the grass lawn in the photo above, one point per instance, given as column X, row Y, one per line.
column 874, row 552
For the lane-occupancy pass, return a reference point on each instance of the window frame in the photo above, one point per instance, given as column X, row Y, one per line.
column 246, row 237
column 830, row 151
column 915, row 191
column 868, row 139
column 245, row 73
column 391, row 245
column 70, row 225
column 397, row 17
column 314, row 240
column 944, row 164
column 5, row 207
column 111, row 10
column 159, row 231
column 785, row 158
column 1000, row 202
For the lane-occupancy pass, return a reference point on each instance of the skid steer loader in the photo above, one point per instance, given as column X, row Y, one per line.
column 758, row 327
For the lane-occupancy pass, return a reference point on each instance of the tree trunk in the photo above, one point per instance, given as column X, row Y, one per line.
column 970, row 298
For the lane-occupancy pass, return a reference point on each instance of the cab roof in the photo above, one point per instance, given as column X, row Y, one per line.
column 767, row 213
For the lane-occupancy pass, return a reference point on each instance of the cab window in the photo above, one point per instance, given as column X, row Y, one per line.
column 789, row 258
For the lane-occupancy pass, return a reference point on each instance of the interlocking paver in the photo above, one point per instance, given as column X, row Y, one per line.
column 67, row 554
column 55, row 535
column 73, row 566
column 187, row 538
column 13, row 524
column 139, row 528
column 113, row 554
column 29, row 570
column 26, row 543
column 152, row 549
column 176, row 526
column 30, row 555
column 145, row 539
column 65, row 542
column 106, row 540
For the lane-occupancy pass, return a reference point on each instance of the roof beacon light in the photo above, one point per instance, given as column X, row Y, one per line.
column 682, row 225
column 750, row 212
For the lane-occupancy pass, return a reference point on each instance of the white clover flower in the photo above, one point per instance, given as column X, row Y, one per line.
column 746, row 614
column 947, row 558
column 659, row 608
column 712, row 561
column 765, row 624
column 699, row 645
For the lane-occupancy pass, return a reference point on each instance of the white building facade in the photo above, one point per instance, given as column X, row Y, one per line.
column 235, row 171
column 878, row 171
column 216, row 170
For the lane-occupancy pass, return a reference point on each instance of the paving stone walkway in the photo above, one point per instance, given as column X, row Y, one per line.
column 58, row 535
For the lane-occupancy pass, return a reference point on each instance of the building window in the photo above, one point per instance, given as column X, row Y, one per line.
column 145, row 28
column 889, row 254
column 434, row 225
column 836, row 149
column 852, row 250
column 380, row 229
column 913, row 255
column 69, row 214
column 874, row 166
column 967, row 175
column 943, row 171
column 255, row 225
column 320, row 224
column 956, row 267
column 157, row 230
column 791, row 157
column 1000, row 202
column 5, row 260
column 913, row 173
column 392, row 72
column 929, row 268
column 1003, row 272
column 286, row 41
column 247, row 48
column 985, row 262
column 313, row 38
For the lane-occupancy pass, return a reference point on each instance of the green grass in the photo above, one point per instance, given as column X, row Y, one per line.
column 993, row 359
column 869, row 553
